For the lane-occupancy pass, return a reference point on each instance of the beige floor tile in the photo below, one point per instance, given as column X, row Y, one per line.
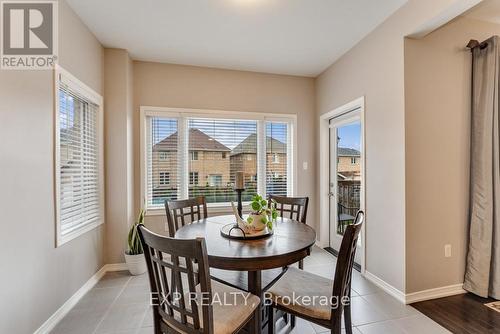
column 114, row 279
column 135, row 294
column 363, row 313
column 82, row 321
column 390, row 306
column 121, row 317
column 139, row 280
column 362, row 286
column 99, row 299
column 385, row 327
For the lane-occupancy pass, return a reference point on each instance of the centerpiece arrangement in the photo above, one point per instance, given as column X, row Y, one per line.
column 263, row 214
column 259, row 222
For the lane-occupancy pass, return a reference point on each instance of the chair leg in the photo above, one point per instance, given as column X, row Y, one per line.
column 301, row 264
column 347, row 319
column 270, row 321
column 336, row 329
column 292, row 321
column 285, row 317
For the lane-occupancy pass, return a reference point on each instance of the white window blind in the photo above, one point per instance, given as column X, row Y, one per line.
column 188, row 155
column 277, row 158
column 221, row 147
column 79, row 172
column 162, row 161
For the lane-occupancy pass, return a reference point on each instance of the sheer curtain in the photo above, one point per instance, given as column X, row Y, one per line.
column 482, row 276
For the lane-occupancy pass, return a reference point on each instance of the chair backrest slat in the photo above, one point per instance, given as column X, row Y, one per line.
column 178, row 210
column 295, row 206
column 345, row 262
column 174, row 306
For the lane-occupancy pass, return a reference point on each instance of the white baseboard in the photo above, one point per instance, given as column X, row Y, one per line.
column 418, row 296
column 399, row 295
column 441, row 292
column 71, row 302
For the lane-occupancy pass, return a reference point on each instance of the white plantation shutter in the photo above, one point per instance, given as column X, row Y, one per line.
column 79, row 179
column 218, row 148
column 162, row 161
column 277, row 158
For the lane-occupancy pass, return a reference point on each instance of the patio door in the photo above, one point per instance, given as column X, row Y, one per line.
column 346, row 175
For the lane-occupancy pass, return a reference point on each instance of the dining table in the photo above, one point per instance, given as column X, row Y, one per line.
column 290, row 242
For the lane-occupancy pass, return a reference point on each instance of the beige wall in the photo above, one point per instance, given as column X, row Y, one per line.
column 167, row 85
column 118, row 84
column 374, row 68
column 38, row 278
column 437, row 87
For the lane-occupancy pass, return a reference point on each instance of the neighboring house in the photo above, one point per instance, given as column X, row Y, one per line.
column 348, row 164
column 244, row 158
column 208, row 161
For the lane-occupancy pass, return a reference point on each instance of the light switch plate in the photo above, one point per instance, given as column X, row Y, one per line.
column 304, row 165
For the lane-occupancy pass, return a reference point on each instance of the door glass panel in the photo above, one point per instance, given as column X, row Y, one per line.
column 348, row 174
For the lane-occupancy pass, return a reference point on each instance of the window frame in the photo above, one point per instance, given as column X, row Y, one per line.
column 184, row 114
column 61, row 76
column 164, row 178
column 193, row 178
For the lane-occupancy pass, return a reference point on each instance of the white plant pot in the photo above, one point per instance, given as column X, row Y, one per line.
column 136, row 264
column 257, row 221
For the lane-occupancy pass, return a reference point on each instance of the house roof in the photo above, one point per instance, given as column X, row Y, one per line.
column 249, row 145
column 198, row 141
column 347, row 152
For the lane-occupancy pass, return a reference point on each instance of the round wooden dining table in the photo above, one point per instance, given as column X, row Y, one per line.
column 290, row 242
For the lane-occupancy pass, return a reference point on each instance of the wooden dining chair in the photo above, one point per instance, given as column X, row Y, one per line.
column 184, row 211
column 305, row 289
column 179, row 304
column 292, row 207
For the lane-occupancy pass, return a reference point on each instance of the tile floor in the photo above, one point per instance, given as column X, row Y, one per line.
column 119, row 304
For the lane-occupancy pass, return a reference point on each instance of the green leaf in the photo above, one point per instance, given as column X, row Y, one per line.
column 249, row 220
column 256, row 206
column 275, row 215
column 264, row 220
column 263, row 203
column 270, row 225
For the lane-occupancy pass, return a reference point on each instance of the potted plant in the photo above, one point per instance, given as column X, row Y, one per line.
column 262, row 214
column 134, row 257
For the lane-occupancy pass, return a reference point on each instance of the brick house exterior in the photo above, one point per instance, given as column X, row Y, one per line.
column 348, row 163
column 244, row 158
column 208, row 161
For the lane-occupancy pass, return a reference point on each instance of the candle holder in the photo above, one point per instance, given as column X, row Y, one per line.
column 240, row 202
column 239, row 187
column 240, row 213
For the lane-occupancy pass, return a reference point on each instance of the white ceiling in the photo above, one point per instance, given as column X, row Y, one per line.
column 298, row 37
column 488, row 10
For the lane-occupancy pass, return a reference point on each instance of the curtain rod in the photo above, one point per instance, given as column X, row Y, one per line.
column 473, row 43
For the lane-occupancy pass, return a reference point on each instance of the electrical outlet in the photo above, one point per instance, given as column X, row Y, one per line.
column 447, row 250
